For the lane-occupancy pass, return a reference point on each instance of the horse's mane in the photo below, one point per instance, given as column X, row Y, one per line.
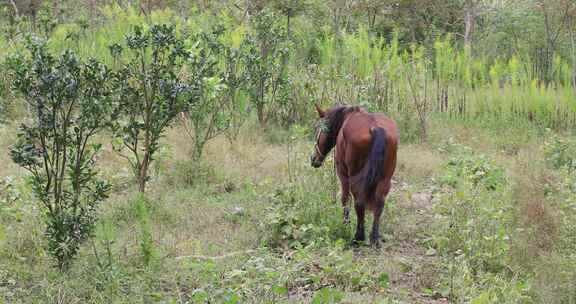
column 335, row 117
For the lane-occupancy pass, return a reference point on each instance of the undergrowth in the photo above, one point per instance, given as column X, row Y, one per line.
column 473, row 231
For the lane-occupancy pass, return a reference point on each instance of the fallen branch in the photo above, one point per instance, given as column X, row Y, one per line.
column 220, row 257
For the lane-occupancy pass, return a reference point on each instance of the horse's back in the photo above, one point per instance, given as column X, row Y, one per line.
column 387, row 124
column 356, row 138
column 357, row 128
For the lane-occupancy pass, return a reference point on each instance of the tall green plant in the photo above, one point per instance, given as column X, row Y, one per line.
column 70, row 101
column 207, row 114
column 266, row 63
column 416, row 73
column 149, row 93
column 234, row 58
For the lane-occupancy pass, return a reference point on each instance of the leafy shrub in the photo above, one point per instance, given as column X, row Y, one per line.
column 4, row 88
column 149, row 94
column 559, row 152
column 477, row 169
column 266, row 64
column 567, row 202
column 298, row 219
column 475, row 217
column 192, row 173
column 9, row 194
column 148, row 250
column 327, row 295
column 555, row 271
column 267, row 275
column 277, row 135
column 71, row 101
column 475, row 223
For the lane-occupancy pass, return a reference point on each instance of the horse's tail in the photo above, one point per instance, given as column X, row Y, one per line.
column 376, row 161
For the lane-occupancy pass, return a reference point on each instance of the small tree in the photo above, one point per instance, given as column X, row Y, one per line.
column 218, row 80
column 416, row 73
column 234, row 58
column 266, row 63
column 290, row 9
column 150, row 94
column 70, row 101
column 207, row 115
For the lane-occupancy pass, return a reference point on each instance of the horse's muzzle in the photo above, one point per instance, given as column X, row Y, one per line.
column 315, row 162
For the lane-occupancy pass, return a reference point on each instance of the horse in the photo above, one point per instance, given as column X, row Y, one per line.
column 365, row 160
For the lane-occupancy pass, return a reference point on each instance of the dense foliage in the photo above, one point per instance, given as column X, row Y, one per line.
column 69, row 101
column 211, row 103
column 150, row 93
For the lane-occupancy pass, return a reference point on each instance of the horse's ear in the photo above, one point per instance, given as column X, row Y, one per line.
column 321, row 112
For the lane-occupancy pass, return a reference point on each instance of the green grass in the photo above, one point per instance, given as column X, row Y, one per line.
column 202, row 239
column 253, row 223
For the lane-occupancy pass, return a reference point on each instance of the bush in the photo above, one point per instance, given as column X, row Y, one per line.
column 72, row 101
column 555, row 270
column 559, row 152
column 473, row 230
column 300, row 219
column 149, row 94
column 148, row 249
column 192, row 173
column 476, row 169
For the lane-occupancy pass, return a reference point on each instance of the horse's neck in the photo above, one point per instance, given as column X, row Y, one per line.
column 344, row 114
column 350, row 112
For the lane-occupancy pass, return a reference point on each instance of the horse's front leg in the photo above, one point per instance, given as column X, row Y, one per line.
column 360, row 212
column 345, row 185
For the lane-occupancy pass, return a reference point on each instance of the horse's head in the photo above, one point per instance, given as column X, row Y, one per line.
column 322, row 146
column 327, row 129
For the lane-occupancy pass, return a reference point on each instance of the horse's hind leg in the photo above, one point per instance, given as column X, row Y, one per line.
column 360, row 211
column 375, row 234
column 345, row 184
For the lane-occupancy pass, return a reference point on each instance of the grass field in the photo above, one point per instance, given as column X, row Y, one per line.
column 248, row 225
column 483, row 203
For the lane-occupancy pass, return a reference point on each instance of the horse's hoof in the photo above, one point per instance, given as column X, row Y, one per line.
column 376, row 242
column 346, row 216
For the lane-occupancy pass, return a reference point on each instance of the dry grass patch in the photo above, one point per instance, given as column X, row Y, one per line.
column 7, row 138
column 417, row 162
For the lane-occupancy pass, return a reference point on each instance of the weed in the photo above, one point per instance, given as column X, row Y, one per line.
column 192, row 173
column 559, row 152
column 148, row 250
column 474, row 229
column 478, row 170
column 298, row 219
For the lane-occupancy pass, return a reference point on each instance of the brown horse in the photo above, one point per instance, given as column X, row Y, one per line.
column 365, row 158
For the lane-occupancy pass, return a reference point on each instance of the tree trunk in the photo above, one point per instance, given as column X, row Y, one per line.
column 469, row 27
column 288, row 27
column 573, row 48
column 56, row 9
column 261, row 116
column 15, row 7
column 423, row 130
column 92, row 8
column 143, row 174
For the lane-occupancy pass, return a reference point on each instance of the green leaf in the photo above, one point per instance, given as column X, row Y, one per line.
column 2, row 233
column 384, row 280
column 484, row 298
column 327, row 295
column 199, row 296
column 280, row 290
